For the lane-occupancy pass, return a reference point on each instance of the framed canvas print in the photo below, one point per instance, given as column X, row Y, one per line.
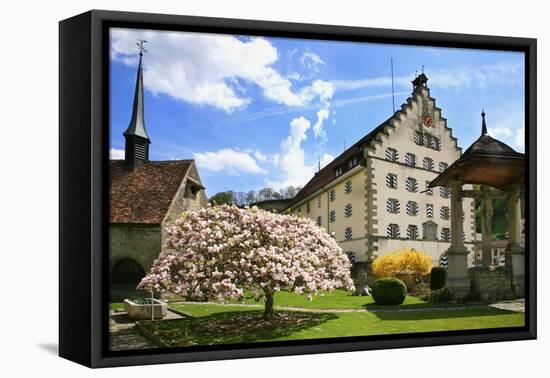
column 234, row 188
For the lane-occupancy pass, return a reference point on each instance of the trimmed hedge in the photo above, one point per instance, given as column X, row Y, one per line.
column 438, row 278
column 389, row 291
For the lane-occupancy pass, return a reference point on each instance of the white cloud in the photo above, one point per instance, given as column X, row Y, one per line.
column 291, row 159
column 519, row 138
column 116, row 154
column 311, row 61
column 227, row 160
column 259, row 156
column 206, row 69
column 326, row 159
column 500, row 132
column 295, row 76
column 318, row 130
column 508, row 126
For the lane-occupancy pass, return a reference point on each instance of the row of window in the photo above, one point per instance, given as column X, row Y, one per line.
column 348, row 233
column 348, row 212
column 394, row 232
column 425, row 139
column 348, row 187
column 411, row 185
column 393, row 206
column 410, row 159
column 347, row 166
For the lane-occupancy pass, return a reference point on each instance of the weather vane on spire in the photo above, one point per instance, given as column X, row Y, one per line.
column 140, row 43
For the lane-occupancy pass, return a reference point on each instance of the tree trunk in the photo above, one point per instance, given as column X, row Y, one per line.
column 268, row 309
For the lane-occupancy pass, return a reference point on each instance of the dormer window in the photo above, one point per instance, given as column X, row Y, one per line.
column 339, row 171
column 353, row 162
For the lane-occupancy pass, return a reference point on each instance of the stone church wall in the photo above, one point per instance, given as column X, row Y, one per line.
column 138, row 242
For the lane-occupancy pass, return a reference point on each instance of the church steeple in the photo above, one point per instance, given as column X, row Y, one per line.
column 483, row 124
column 137, row 140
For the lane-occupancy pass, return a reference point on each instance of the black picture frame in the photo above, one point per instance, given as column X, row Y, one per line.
column 83, row 196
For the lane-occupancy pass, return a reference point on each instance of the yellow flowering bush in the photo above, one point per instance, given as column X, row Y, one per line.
column 409, row 265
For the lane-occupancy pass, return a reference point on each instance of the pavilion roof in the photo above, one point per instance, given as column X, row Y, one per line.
column 487, row 161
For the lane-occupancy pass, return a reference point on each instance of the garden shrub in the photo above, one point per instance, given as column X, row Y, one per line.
column 438, row 278
column 409, row 265
column 389, row 291
column 441, row 295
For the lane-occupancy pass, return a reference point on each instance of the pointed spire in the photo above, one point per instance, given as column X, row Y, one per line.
column 137, row 122
column 137, row 140
column 483, row 124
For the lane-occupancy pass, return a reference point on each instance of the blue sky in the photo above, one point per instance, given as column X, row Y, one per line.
column 257, row 112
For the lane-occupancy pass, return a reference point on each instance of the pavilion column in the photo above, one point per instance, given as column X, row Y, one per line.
column 514, row 248
column 486, row 227
column 458, row 280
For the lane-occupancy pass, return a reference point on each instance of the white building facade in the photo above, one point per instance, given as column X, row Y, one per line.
column 374, row 198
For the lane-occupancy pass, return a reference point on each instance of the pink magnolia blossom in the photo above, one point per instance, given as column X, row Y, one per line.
column 217, row 253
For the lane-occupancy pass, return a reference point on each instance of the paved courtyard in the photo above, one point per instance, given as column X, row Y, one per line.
column 123, row 334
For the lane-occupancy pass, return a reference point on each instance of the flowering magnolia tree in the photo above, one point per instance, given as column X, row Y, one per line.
column 218, row 253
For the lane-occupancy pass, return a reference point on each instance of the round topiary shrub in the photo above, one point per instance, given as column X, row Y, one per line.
column 438, row 278
column 389, row 291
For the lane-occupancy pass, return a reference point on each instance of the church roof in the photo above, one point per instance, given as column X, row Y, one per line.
column 144, row 196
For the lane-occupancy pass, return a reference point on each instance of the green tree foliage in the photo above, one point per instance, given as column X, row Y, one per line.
column 223, row 198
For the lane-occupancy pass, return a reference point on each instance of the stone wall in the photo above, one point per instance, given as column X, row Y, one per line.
column 490, row 284
column 134, row 241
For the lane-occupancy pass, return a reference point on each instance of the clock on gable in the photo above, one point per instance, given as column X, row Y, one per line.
column 427, row 120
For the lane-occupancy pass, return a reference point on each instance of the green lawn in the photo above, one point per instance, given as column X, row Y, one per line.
column 116, row 306
column 336, row 299
column 217, row 324
column 232, row 323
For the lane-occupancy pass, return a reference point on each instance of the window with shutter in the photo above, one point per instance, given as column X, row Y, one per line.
column 412, row 208
column 393, row 231
column 446, row 234
column 348, row 210
column 428, row 164
column 392, row 206
column 348, row 187
column 410, row 159
column 429, row 210
column 348, row 233
column 392, row 154
column 412, row 232
column 391, row 181
column 445, row 212
column 411, row 184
